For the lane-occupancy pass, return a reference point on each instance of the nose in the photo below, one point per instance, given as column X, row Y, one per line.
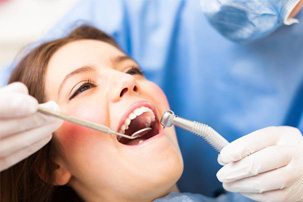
column 124, row 86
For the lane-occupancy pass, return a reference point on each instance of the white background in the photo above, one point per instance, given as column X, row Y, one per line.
column 24, row 21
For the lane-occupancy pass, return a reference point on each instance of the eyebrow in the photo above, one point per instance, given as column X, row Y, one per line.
column 77, row 71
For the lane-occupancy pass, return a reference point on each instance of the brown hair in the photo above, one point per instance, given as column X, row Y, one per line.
column 22, row 182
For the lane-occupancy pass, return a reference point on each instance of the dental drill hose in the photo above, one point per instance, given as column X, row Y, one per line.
column 202, row 130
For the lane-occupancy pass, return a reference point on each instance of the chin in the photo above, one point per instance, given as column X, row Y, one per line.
column 164, row 172
column 160, row 182
column 166, row 181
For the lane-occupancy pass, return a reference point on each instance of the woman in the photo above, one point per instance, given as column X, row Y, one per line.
column 89, row 77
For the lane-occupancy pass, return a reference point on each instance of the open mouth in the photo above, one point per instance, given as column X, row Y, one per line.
column 139, row 118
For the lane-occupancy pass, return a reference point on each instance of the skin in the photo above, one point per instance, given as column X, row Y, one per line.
column 296, row 10
column 96, row 165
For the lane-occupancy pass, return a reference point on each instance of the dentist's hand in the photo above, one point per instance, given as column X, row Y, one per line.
column 23, row 130
column 266, row 165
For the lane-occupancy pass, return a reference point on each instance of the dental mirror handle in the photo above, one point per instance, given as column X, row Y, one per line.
column 84, row 123
column 211, row 136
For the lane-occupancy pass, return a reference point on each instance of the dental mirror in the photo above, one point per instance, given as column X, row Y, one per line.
column 91, row 125
column 141, row 132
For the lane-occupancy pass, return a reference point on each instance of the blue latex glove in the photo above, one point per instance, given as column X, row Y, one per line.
column 246, row 20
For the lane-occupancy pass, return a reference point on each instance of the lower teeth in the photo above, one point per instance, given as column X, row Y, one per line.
column 135, row 142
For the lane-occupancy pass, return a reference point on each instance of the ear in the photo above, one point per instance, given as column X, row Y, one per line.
column 62, row 175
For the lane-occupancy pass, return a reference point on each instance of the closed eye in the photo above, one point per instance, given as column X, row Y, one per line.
column 134, row 71
column 84, row 87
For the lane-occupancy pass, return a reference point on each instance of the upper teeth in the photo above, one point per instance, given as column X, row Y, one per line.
column 137, row 112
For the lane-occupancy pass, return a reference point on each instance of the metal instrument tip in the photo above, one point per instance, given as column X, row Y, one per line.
column 167, row 118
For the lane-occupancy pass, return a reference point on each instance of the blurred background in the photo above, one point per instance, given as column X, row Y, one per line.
column 24, row 21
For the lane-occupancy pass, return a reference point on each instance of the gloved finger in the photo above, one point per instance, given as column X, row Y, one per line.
column 259, row 162
column 294, row 193
column 289, row 136
column 248, row 145
column 19, row 141
column 273, row 180
column 23, row 153
column 16, row 87
column 50, row 105
column 18, row 125
column 16, row 105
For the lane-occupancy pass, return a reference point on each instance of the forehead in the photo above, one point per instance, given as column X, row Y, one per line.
column 81, row 53
column 77, row 54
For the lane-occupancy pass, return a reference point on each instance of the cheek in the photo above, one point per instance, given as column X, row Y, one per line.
column 157, row 94
column 71, row 136
column 87, row 109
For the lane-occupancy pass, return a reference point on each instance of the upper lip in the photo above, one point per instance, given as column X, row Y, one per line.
column 132, row 108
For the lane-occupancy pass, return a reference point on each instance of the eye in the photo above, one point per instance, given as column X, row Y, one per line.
column 84, row 87
column 135, row 70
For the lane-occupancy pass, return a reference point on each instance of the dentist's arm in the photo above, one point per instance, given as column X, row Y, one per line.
column 23, row 130
column 266, row 165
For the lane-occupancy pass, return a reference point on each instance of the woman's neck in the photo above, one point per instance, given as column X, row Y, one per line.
column 93, row 198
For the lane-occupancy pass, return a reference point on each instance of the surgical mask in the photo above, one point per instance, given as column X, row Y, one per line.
column 247, row 20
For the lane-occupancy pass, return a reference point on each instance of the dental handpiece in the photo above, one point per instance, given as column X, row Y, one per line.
column 202, row 130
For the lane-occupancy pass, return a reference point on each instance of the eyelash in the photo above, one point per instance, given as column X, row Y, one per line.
column 88, row 84
column 135, row 70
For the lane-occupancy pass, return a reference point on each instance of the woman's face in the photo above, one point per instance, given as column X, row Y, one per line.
column 95, row 81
